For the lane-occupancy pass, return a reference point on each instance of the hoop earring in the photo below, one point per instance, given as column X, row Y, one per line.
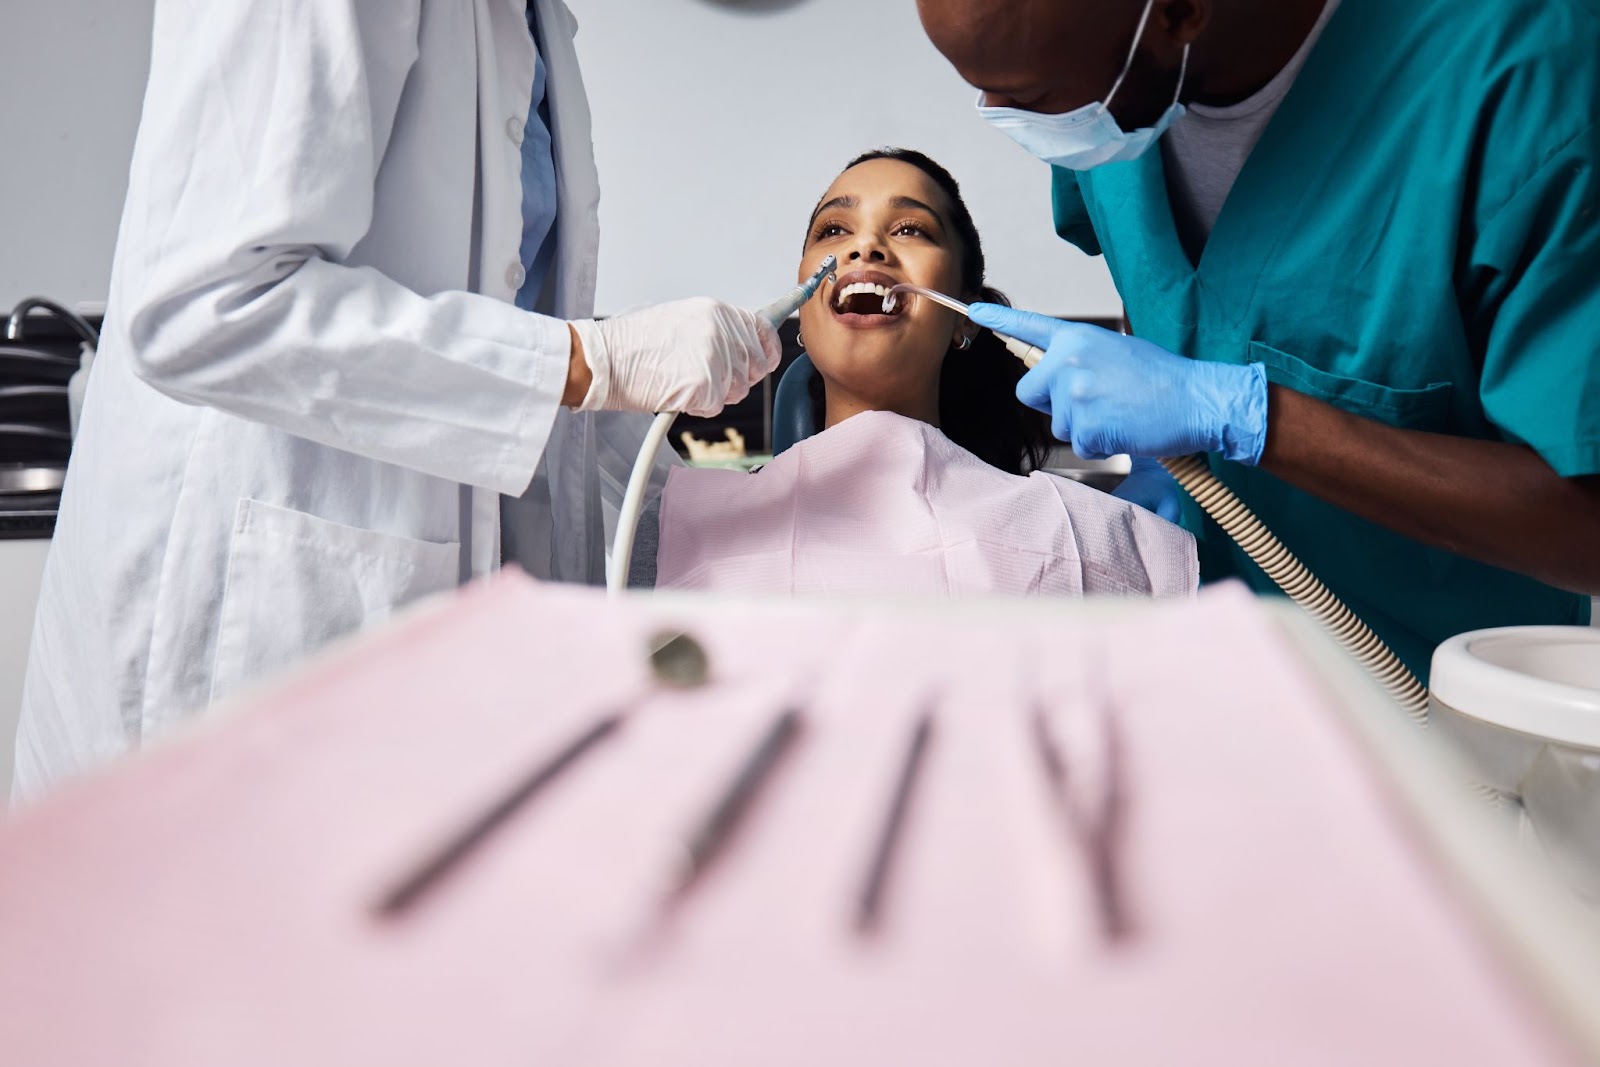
column 799, row 340
column 965, row 343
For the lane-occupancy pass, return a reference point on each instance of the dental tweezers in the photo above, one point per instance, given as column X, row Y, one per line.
column 1098, row 831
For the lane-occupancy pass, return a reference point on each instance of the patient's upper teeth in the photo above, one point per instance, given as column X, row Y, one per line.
column 859, row 288
column 845, row 292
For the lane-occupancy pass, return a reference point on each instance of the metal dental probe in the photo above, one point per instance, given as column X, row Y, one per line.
column 715, row 830
column 869, row 904
column 677, row 661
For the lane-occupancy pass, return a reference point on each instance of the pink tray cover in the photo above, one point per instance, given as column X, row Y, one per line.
column 208, row 903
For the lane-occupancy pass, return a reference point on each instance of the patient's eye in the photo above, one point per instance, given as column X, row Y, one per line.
column 827, row 230
column 913, row 229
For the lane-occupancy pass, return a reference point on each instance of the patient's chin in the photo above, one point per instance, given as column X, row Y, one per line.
column 871, row 355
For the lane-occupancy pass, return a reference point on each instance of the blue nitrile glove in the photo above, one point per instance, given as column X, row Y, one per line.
column 1150, row 487
column 1108, row 393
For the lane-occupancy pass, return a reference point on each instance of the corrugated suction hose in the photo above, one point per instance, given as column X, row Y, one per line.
column 1301, row 586
column 1273, row 557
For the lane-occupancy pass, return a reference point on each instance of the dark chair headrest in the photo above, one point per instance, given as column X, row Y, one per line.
column 791, row 406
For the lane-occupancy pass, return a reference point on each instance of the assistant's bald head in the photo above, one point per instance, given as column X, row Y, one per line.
column 990, row 23
column 1041, row 55
column 1055, row 56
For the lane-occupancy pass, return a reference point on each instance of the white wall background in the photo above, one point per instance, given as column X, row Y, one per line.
column 72, row 75
column 717, row 129
column 703, row 191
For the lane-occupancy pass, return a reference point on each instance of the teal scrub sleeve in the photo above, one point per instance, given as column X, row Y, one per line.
column 1072, row 213
column 1536, row 266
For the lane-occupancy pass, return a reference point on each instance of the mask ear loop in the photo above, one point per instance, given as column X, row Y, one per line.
column 1127, row 64
column 1183, row 73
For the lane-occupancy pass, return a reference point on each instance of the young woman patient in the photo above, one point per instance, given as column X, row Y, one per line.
column 919, row 481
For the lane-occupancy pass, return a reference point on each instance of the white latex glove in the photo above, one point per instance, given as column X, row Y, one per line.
column 695, row 356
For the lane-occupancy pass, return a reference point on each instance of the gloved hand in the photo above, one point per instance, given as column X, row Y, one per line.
column 695, row 356
column 1107, row 393
column 1150, row 487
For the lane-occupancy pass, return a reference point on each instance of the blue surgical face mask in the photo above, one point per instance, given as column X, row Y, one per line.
column 1088, row 136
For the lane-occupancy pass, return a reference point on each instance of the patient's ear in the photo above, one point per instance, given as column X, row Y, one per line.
column 966, row 331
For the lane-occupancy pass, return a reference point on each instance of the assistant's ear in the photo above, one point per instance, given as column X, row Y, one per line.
column 1180, row 22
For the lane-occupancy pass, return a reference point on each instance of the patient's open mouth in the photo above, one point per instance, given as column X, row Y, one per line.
column 858, row 298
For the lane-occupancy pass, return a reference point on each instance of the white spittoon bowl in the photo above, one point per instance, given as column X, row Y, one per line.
column 1523, row 704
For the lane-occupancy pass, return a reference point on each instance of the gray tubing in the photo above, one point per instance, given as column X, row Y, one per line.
column 1301, row 586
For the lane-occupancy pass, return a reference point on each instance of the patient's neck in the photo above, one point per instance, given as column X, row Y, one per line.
column 844, row 403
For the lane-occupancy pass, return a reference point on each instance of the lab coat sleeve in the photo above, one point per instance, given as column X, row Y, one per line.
column 264, row 128
column 1071, row 211
column 1536, row 285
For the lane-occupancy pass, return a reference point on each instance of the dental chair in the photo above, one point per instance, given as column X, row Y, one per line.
column 792, row 420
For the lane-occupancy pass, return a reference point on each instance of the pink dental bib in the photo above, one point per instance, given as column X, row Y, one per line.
column 886, row 505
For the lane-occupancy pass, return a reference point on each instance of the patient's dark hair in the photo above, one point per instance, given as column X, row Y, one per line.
column 978, row 407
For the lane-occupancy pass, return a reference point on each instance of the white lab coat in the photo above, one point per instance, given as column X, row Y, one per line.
column 313, row 387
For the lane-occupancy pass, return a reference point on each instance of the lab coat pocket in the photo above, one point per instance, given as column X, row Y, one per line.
column 1424, row 408
column 296, row 582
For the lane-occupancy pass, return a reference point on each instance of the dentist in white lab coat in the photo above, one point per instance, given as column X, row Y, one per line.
column 317, row 398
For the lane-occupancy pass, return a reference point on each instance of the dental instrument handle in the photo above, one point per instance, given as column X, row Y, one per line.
column 1029, row 354
column 644, row 464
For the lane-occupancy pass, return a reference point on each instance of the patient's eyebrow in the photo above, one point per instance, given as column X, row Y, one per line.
column 845, row 203
column 917, row 205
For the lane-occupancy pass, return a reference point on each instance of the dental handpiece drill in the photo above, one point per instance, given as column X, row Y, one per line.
column 779, row 311
column 775, row 313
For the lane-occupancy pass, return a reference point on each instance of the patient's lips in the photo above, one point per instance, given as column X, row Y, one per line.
column 857, row 299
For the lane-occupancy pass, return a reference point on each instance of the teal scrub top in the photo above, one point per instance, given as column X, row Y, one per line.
column 1416, row 239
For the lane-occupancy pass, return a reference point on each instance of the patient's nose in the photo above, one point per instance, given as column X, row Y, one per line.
column 868, row 249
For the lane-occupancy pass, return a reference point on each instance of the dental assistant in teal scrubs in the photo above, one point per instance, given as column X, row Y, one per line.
column 1359, row 246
